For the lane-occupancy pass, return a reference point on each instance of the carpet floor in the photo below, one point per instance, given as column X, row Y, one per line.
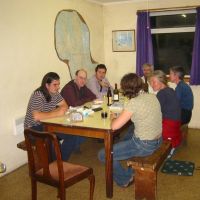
column 16, row 185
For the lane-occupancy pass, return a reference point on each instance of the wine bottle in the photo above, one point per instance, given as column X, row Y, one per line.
column 116, row 93
column 109, row 97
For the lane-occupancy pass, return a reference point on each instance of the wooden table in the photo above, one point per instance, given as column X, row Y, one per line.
column 95, row 127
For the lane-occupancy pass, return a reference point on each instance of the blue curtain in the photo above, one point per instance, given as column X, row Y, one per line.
column 144, row 51
column 195, row 69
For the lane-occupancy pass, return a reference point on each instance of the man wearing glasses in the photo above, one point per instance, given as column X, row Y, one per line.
column 75, row 91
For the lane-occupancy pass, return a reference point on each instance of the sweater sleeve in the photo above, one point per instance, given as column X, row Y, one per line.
column 73, row 97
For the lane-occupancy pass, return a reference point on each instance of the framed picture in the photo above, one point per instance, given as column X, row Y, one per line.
column 123, row 40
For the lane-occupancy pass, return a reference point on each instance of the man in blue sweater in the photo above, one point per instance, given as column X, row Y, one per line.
column 183, row 92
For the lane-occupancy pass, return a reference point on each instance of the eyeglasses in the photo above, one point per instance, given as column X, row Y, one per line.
column 82, row 78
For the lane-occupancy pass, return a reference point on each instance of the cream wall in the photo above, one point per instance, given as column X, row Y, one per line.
column 123, row 17
column 27, row 53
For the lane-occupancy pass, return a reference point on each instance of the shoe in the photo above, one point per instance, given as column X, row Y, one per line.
column 131, row 180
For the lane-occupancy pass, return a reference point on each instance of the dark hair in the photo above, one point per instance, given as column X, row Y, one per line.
column 100, row 66
column 131, row 84
column 179, row 71
column 47, row 79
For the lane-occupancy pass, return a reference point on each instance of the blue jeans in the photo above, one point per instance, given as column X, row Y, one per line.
column 129, row 133
column 68, row 144
column 79, row 141
column 126, row 149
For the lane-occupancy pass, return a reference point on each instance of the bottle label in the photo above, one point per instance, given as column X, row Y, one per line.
column 116, row 97
column 109, row 101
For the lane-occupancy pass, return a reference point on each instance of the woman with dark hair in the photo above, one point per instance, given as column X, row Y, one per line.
column 143, row 110
column 46, row 102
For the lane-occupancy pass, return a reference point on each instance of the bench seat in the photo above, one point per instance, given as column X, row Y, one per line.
column 146, row 169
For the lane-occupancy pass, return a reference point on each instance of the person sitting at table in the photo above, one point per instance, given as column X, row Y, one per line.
column 98, row 83
column 147, row 70
column 183, row 92
column 46, row 102
column 170, row 107
column 75, row 92
column 147, row 136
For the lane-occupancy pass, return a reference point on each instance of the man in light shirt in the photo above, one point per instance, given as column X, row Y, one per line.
column 147, row 70
column 98, row 83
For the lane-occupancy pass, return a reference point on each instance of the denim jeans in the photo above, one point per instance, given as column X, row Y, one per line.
column 126, row 149
column 68, row 143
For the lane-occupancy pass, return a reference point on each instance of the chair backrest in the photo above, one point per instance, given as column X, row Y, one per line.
column 39, row 148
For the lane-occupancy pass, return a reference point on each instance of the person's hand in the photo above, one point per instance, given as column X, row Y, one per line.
column 112, row 115
column 61, row 110
column 103, row 84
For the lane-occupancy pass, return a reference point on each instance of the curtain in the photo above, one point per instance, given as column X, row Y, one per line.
column 195, row 69
column 144, row 51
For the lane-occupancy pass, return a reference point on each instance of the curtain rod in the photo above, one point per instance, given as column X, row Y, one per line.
column 169, row 9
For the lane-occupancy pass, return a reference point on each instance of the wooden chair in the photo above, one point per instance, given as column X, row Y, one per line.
column 56, row 173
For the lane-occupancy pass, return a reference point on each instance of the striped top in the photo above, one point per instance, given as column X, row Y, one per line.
column 38, row 102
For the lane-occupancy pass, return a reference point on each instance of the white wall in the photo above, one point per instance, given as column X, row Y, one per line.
column 194, row 123
column 123, row 17
column 27, row 52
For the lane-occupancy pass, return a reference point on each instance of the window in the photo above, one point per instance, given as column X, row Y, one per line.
column 172, row 38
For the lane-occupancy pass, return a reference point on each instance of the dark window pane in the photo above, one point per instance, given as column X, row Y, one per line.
column 173, row 21
column 173, row 49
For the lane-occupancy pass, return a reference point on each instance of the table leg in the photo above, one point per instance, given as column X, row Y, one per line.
column 108, row 142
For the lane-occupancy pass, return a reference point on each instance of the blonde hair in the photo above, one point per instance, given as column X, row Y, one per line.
column 160, row 75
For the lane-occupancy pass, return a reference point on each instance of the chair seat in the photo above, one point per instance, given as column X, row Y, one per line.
column 70, row 170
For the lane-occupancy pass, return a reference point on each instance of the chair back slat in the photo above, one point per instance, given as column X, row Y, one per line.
column 42, row 151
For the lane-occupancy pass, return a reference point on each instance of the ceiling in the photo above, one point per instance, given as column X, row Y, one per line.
column 114, row 1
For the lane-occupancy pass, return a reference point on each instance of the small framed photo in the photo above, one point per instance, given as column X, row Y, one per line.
column 123, row 40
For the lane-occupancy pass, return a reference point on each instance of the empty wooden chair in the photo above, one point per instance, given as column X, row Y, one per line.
column 56, row 173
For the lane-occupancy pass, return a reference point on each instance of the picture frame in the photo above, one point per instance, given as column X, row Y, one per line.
column 123, row 40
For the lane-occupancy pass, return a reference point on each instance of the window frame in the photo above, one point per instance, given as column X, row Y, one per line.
column 173, row 30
